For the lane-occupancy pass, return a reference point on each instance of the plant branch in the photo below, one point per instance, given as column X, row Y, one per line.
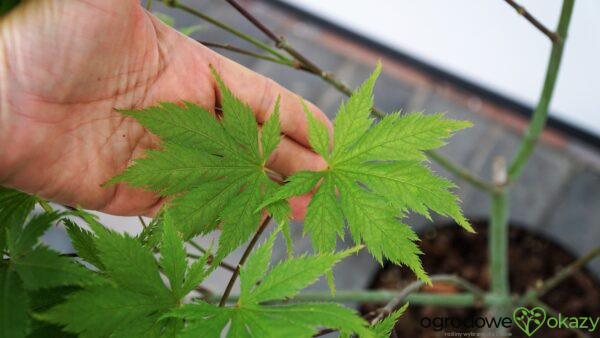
column 253, row 20
column 522, row 11
column 244, row 36
column 463, row 299
column 148, row 5
column 70, row 254
column 498, row 237
column 461, row 172
column 540, row 115
column 142, row 222
column 395, row 303
column 550, row 283
column 245, row 255
column 299, row 62
column 286, row 62
column 311, row 67
column 473, row 296
column 498, row 243
column 210, row 257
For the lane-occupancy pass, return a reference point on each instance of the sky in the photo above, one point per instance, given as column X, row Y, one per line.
column 488, row 43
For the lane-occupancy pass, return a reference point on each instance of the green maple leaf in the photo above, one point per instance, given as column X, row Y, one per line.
column 375, row 175
column 134, row 296
column 83, row 243
column 215, row 169
column 30, row 267
column 383, row 329
column 15, row 206
column 251, row 318
column 13, row 304
column 38, row 266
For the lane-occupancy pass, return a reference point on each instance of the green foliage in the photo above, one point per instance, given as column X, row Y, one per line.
column 14, row 208
column 135, row 296
column 215, row 169
column 383, row 329
column 375, row 175
column 30, row 266
column 13, row 304
column 251, row 318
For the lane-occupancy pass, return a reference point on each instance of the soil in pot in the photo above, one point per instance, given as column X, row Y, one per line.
column 532, row 258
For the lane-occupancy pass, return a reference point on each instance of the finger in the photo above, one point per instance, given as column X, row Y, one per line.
column 261, row 93
column 290, row 157
column 299, row 205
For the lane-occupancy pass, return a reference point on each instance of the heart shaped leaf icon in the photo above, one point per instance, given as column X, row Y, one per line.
column 529, row 320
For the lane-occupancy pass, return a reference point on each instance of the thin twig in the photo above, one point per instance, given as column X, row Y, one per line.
column 540, row 115
column 206, row 293
column 256, row 42
column 254, row 21
column 69, row 254
column 566, row 272
column 286, row 62
column 460, row 299
column 462, row 173
column 415, row 286
column 245, row 255
column 299, row 62
column 555, row 38
column 210, row 257
column 142, row 222
column 311, row 67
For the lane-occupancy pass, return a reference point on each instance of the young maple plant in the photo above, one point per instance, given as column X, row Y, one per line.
column 214, row 171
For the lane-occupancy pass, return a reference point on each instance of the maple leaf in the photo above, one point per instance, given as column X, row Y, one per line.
column 383, row 329
column 14, row 208
column 375, row 175
column 215, row 169
column 135, row 296
column 30, row 266
column 251, row 318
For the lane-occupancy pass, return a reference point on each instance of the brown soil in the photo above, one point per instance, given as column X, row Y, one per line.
column 450, row 250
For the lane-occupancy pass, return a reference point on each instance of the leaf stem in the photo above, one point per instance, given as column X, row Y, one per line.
column 245, row 255
column 148, row 5
column 522, row 11
column 45, row 205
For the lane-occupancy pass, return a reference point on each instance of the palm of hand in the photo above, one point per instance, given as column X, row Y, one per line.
column 71, row 63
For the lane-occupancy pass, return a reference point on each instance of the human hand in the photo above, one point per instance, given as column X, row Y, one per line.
column 66, row 64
